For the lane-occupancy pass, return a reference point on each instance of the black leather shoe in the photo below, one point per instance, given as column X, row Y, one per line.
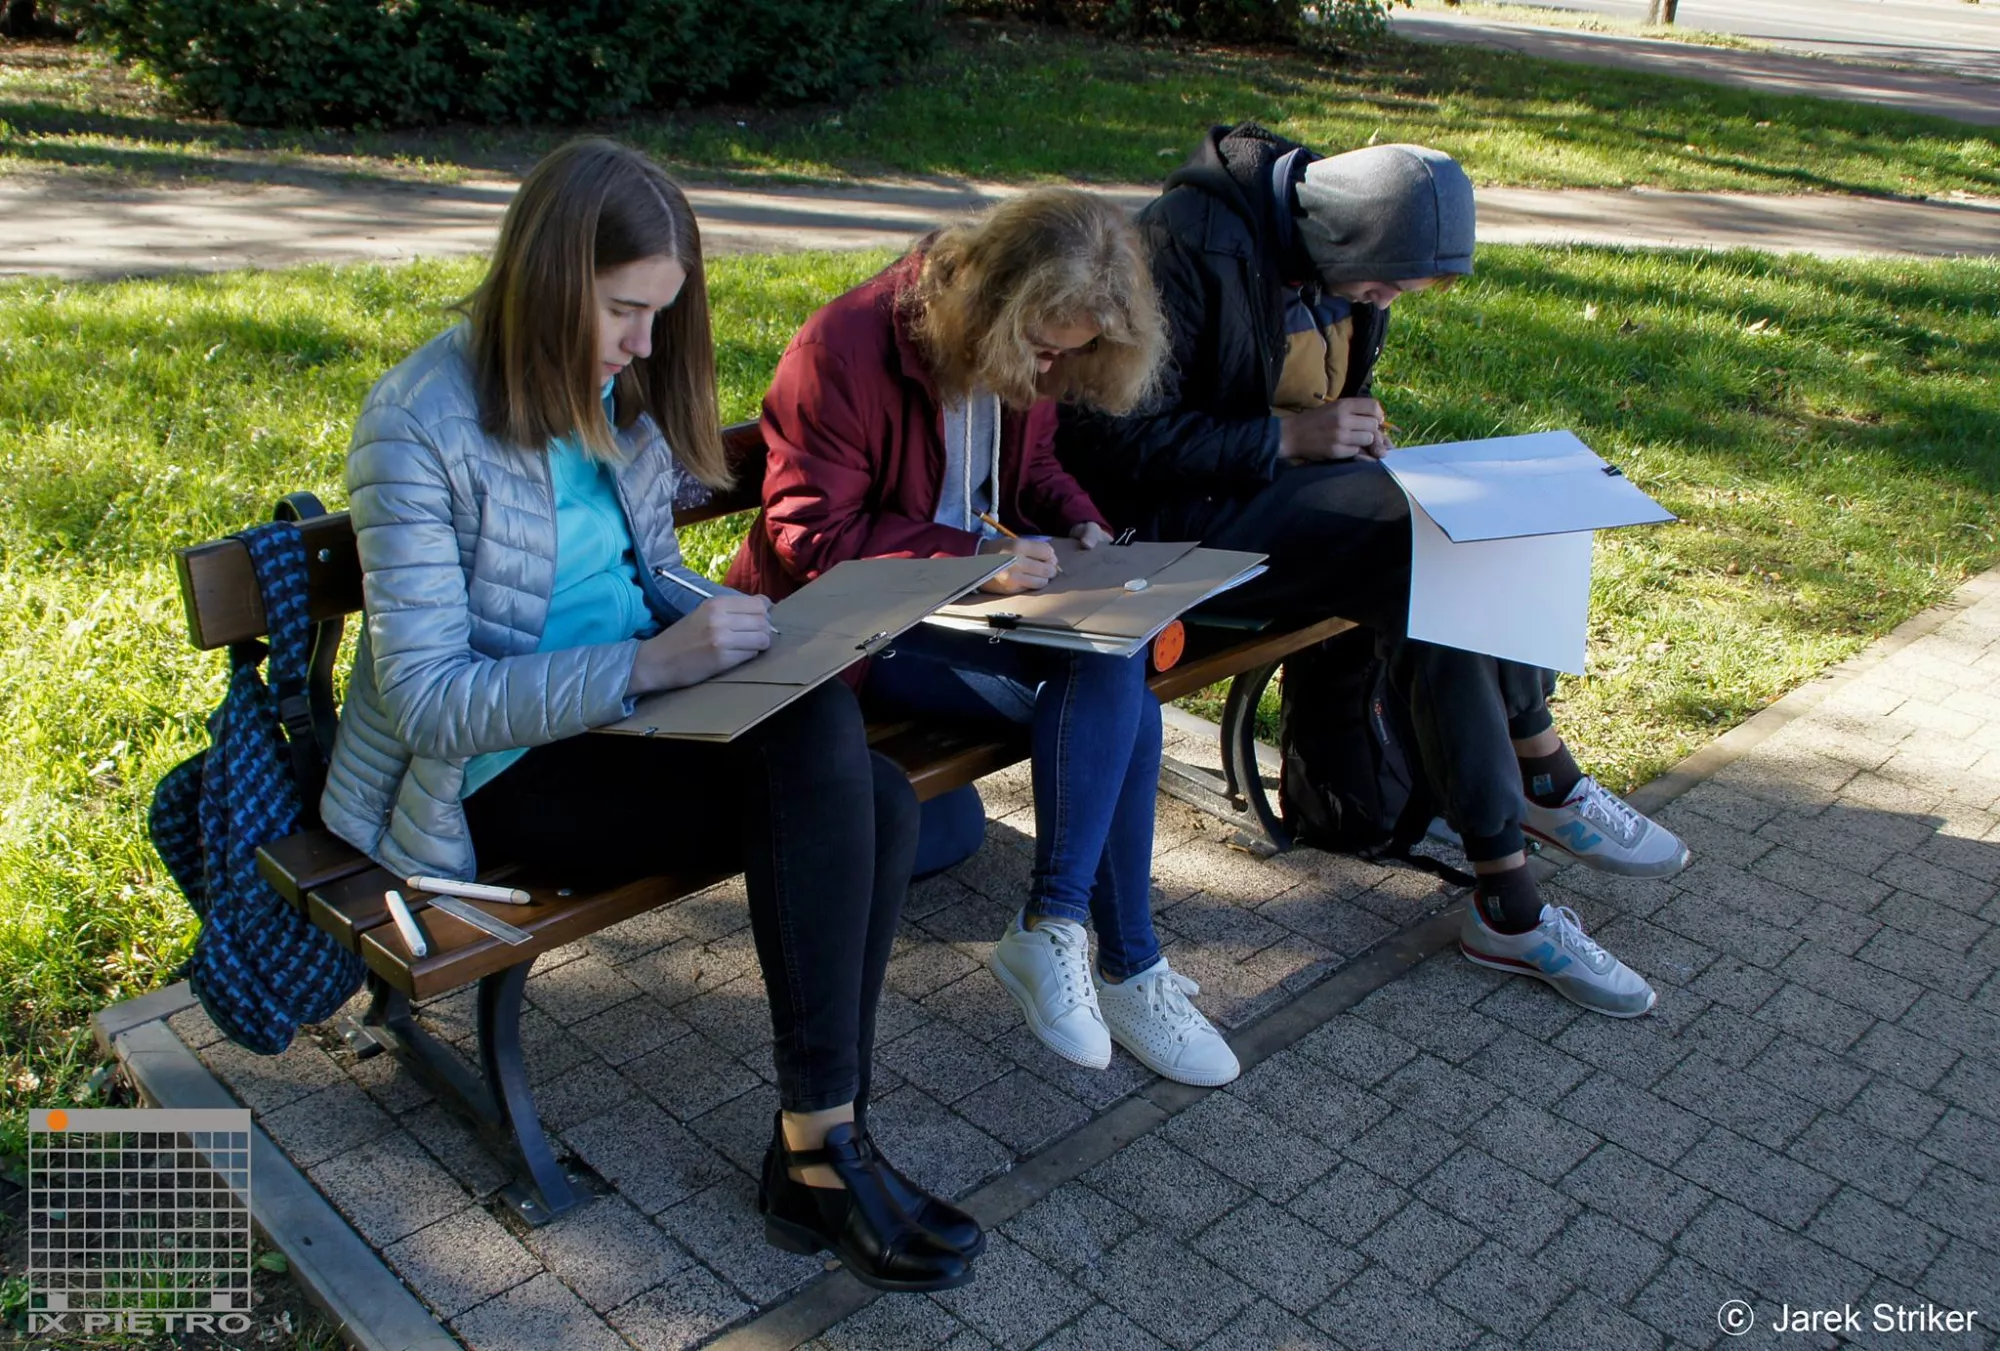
column 863, row 1224
column 957, row 1229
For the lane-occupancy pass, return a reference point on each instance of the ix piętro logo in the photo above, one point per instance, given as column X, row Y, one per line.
column 138, row 1221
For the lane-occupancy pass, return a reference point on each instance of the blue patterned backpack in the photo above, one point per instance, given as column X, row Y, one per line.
column 260, row 968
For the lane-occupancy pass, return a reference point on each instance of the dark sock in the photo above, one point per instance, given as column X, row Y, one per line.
column 1547, row 779
column 1509, row 901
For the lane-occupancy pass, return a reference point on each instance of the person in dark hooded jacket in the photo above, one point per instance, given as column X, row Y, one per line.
column 1277, row 269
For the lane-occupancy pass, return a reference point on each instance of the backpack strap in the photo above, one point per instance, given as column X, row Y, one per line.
column 278, row 556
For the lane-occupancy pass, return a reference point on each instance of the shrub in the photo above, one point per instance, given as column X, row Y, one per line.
column 1315, row 22
column 420, row 62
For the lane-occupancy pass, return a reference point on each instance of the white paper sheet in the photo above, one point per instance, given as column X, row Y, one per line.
column 1546, row 483
column 1525, row 599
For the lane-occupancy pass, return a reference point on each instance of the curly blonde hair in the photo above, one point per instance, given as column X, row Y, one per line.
column 1049, row 257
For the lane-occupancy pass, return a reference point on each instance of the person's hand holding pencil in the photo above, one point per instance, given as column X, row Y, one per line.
column 1034, row 565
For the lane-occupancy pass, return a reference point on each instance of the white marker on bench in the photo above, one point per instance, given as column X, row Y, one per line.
column 406, row 923
column 471, row 891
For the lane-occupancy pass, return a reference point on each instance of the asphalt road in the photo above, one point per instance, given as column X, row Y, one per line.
column 1941, row 34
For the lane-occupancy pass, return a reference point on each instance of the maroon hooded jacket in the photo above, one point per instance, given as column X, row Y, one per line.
column 854, row 451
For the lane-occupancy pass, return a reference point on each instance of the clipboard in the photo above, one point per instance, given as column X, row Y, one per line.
column 1113, row 599
column 849, row 612
column 1500, row 544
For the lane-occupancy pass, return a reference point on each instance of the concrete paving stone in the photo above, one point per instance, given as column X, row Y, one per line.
column 1809, row 1073
column 1221, row 924
column 1728, row 1036
column 1793, row 779
column 390, row 1082
column 1349, row 1203
column 1503, row 1290
column 1504, row 1203
column 462, row 1260
column 919, row 966
column 1957, row 1024
column 1632, row 1117
column 1182, row 1312
column 890, row 1325
column 1101, row 1328
column 1017, row 1300
column 1675, row 1010
column 938, row 1150
column 1404, row 894
column 1379, row 1311
column 1616, row 1182
column 1631, row 1049
column 976, row 1005
column 1961, row 1205
column 970, row 920
column 736, row 1016
column 1279, row 1255
column 579, row 989
column 1851, row 982
column 1539, row 1144
column 651, row 1159
column 1449, row 976
column 1940, row 924
column 534, row 1316
column 1637, row 897
column 1356, row 1050
column 1719, row 802
column 1812, row 1017
column 194, row 1027
column 1660, row 955
column 1585, row 1323
column 589, row 1090
column 1974, row 1085
column 1095, row 1089
column 689, row 1076
column 547, row 1047
column 1600, row 1254
column 389, row 1188
column 1532, row 1071
column 1928, row 964
column 264, row 1083
column 1336, row 925
column 1868, row 828
column 1829, row 882
column 1975, row 858
column 1525, row 1006
column 1402, row 1148
column 1022, row 1112
column 1244, row 1144
column 1450, row 1031
column 329, row 1122
column 452, row 1017
column 1834, row 739
column 1262, row 1326
column 647, row 931
column 1310, row 1099
column 714, row 912
column 1931, row 716
column 935, row 893
column 629, row 1030
column 1441, row 1094
column 1710, row 1089
column 1724, row 843
column 1682, row 1300
column 1895, row 1110
column 1966, row 1142
column 1960, row 1277
column 1329, row 874
column 1837, row 930
column 1166, row 1185
column 1754, row 1177
column 1420, row 1243
column 1776, row 1263
column 1861, row 1157
column 739, row 1130
column 1726, row 930
column 674, row 974
column 1947, row 886
column 684, row 1311
column 943, row 1061
column 453, row 1143
column 721, row 1227
column 1000, row 870
column 1877, row 792
column 607, row 1252
column 1737, row 985
column 1879, row 1237
column 1071, row 1228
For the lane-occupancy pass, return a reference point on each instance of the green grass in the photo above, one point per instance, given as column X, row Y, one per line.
column 1825, row 429
column 1021, row 103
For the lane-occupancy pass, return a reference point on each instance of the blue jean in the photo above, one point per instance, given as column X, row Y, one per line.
column 1094, row 729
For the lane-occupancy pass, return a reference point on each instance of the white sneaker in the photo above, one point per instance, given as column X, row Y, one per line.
column 1601, row 830
column 1149, row 1015
column 1559, row 952
column 1047, row 970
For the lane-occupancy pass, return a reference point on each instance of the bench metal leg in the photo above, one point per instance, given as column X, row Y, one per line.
column 390, row 1025
column 1237, row 795
column 549, row 1189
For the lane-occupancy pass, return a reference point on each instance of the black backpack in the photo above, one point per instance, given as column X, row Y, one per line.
column 1350, row 782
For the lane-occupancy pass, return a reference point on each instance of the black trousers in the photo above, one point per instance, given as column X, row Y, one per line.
column 824, row 830
column 1339, row 540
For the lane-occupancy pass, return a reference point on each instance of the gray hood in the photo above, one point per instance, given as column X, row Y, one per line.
column 1387, row 213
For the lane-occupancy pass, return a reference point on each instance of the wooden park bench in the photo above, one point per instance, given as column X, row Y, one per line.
column 341, row 889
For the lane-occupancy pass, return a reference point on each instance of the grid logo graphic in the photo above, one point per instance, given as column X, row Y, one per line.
column 139, row 1220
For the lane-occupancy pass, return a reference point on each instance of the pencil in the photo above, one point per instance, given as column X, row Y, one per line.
column 667, row 575
column 1008, row 533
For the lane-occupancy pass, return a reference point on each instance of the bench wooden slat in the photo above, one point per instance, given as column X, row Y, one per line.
column 1212, row 668
column 219, row 587
column 300, row 864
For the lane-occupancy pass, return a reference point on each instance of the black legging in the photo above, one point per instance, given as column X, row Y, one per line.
column 1339, row 540
column 824, row 830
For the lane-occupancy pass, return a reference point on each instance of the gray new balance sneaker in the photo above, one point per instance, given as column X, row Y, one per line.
column 1560, row 952
column 1601, row 830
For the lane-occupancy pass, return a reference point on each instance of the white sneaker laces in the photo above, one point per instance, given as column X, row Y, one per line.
column 1072, row 959
column 1609, row 811
column 1166, row 995
column 1569, row 932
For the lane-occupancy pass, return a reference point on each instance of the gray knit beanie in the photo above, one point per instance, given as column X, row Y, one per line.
column 1387, row 213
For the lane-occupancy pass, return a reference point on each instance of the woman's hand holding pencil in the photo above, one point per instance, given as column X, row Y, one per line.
column 1034, row 567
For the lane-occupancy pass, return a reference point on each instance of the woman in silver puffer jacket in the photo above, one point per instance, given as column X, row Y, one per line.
column 511, row 486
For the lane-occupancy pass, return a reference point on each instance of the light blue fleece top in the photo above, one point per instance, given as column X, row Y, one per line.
column 597, row 596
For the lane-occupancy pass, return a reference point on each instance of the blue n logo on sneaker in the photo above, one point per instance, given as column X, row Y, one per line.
column 1576, row 836
column 1549, row 958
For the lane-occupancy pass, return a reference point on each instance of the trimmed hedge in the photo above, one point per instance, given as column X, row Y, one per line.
column 399, row 63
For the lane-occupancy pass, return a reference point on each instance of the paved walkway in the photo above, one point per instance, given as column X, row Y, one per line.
column 1422, row 1154
column 1915, row 91
column 65, row 230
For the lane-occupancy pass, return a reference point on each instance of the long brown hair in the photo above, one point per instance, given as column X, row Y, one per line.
column 1047, row 257
column 587, row 207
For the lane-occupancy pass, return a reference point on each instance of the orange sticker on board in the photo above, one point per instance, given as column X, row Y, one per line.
column 1169, row 645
